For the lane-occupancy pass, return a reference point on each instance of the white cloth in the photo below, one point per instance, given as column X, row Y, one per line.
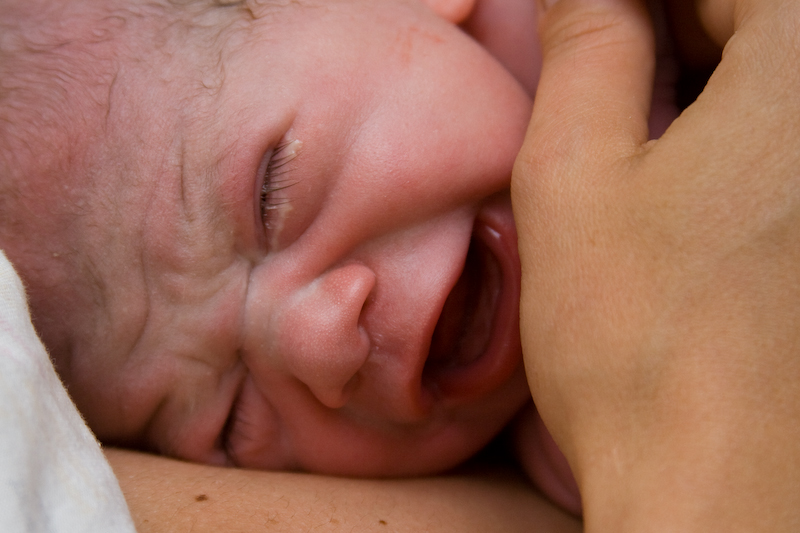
column 53, row 475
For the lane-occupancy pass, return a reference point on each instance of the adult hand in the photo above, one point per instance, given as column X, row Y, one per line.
column 661, row 279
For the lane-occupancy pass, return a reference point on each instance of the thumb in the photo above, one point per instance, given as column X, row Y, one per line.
column 593, row 99
column 589, row 121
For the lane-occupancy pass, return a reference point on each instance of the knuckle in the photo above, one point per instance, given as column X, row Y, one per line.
column 556, row 145
column 596, row 28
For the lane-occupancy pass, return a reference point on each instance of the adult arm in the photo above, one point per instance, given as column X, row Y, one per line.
column 661, row 279
column 169, row 495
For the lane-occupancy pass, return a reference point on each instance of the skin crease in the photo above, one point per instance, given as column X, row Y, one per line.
column 199, row 308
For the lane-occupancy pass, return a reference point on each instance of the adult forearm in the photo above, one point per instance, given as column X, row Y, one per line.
column 169, row 495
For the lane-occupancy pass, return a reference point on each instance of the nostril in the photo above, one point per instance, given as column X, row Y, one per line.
column 322, row 341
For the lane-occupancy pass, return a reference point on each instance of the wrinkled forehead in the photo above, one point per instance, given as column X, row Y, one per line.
column 154, row 93
column 124, row 79
column 177, row 68
column 196, row 91
column 202, row 72
column 60, row 63
column 108, row 98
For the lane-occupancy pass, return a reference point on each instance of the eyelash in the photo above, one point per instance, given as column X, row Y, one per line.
column 281, row 155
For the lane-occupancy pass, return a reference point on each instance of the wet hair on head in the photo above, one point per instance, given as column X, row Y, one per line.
column 58, row 58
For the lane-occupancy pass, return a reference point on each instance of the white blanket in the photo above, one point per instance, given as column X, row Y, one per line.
column 53, row 475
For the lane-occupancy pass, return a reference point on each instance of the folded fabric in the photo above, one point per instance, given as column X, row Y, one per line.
column 53, row 474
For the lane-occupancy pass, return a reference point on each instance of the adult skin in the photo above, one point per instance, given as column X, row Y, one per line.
column 169, row 495
column 661, row 279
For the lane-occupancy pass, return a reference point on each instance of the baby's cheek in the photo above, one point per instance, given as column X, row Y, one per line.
column 544, row 463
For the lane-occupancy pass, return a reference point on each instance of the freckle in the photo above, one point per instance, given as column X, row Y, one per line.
column 200, row 498
column 382, row 522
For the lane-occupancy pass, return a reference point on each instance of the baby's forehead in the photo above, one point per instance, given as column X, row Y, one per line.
column 59, row 60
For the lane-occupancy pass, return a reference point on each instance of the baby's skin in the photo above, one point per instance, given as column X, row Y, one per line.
column 277, row 235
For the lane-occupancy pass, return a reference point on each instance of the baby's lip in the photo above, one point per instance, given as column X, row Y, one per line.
column 475, row 347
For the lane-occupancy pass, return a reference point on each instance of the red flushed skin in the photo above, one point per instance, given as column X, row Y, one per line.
column 298, row 337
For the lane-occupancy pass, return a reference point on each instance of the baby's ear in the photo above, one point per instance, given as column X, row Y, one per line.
column 455, row 11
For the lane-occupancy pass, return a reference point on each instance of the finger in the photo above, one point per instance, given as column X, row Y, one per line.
column 722, row 18
column 717, row 17
column 594, row 94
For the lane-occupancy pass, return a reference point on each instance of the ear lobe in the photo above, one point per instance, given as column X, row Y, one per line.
column 455, row 11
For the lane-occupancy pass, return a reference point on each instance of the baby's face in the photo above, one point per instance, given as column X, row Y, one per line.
column 311, row 262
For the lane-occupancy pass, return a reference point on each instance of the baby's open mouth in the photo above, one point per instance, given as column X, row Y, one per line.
column 475, row 345
column 465, row 325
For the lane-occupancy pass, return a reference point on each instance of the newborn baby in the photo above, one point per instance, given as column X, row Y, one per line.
column 272, row 234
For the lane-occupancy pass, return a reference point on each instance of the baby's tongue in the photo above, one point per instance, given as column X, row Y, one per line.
column 465, row 325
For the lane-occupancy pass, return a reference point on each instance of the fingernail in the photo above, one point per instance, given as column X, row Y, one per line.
column 547, row 4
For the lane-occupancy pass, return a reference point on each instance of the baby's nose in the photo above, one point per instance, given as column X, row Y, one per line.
column 322, row 342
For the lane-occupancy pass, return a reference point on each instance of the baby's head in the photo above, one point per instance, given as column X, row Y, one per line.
column 275, row 234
